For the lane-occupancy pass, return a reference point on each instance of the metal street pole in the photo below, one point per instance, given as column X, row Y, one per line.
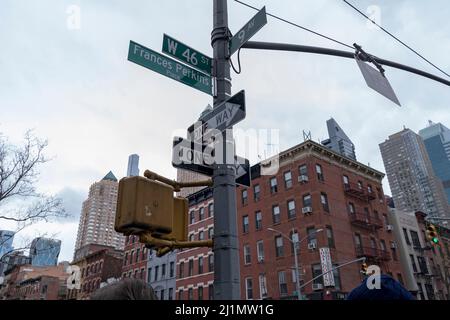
column 296, row 252
column 226, row 252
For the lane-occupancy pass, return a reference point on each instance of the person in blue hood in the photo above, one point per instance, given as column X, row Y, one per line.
column 390, row 289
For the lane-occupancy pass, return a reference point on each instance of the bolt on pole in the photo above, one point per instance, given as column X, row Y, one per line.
column 226, row 251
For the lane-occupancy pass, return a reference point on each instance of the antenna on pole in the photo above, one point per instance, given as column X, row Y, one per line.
column 306, row 135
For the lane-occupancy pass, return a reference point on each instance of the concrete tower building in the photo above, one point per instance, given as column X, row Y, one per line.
column 437, row 142
column 411, row 177
column 98, row 215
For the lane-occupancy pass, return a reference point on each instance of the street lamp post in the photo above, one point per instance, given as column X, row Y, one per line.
column 296, row 245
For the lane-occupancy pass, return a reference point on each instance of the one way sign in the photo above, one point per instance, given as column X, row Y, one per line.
column 220, row 118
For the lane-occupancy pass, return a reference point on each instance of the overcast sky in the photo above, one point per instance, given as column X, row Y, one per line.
column 76, row 88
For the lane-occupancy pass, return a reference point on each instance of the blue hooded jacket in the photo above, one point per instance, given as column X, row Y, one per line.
column 390, row 289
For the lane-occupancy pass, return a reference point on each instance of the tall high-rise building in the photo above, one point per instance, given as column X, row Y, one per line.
column 45, row 252
column 437, row 141
column 133, row 165
column 413, row 183
column 6, row 241
column 338, row 141
column 98, row 215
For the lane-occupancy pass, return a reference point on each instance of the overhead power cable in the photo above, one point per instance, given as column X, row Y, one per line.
column 296, row 25
column 396, row 38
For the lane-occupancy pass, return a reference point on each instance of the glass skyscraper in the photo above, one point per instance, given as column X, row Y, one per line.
column 437, row 142
column 6, row 241
column 338, row 141
column 45, row 252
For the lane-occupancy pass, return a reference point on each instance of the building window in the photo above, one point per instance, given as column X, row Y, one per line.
column 190, row 294
column 191, row 268
column 288, row 179
column 303, row 173
column 137, row 255
column 131, row 257
column 149, row 276
column 200, row 293
column 430, row 291
column 161, row 294
column 258, row 220
column 358, row 243
column 201, row 214
column 245, row 224
column 346, row 182
column 256, row 192
column 360, row 185
column 244, row 197
column 156, row 273
column 211, row 210
column 180, row 294
column 210, row 232
column 319, row 173
column 276, row 214
column 211, row 263
column 191, row 237
column 422, row 264
column 337, row 278
column 351, row 208
column 311, row 232
column 415, row 239
column 249, row 288
column 307, row 201
column 200, row 265
column 413, row 263
column 211, row 292
column 191, row 217
column 181, row 269
column 170, row 297
column 124, row 260
column 172, row 269
column 262, row 286
column 317, row 271
column 260, row 250
column 330, row 236
column 282, row 283
column 279, row 252
column 273, row 185
column 201, row 235
column 405, row 233
column 324, row 201
column 291, row 209
column 163, row 271
column 394, row 251
column 369, row 188
column 142, row 273
column 247, row 256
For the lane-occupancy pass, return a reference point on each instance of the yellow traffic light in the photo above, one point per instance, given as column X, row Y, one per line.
column 432, row 234
column 180, row 216
column 144, row 205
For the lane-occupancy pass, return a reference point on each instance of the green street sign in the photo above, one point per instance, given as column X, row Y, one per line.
column 186, row 54
column 248, row 31
column 152, row 60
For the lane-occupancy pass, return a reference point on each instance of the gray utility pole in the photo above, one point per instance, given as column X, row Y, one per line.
column 226, row 250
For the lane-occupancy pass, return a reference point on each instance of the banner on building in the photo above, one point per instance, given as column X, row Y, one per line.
column 327, row 265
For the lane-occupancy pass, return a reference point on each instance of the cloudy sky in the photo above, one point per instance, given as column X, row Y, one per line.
column 75, row 87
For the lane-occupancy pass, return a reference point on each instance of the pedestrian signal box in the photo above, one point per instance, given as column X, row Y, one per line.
column 180, row 216
column 144, row 205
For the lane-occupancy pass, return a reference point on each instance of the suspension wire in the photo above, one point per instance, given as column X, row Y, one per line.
column 390, row 34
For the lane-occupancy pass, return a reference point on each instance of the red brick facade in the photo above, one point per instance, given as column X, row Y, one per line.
column 196, row 282
column 353, row 216
column 135, row 259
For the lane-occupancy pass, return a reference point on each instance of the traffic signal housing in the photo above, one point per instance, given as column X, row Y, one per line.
column 144, row 205
column 432, row 234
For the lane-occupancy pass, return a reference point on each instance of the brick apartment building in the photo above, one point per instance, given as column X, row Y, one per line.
column 98, row 264
column 195, row 267
column 314, row 188
column 135, row 259
column 27, row 282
